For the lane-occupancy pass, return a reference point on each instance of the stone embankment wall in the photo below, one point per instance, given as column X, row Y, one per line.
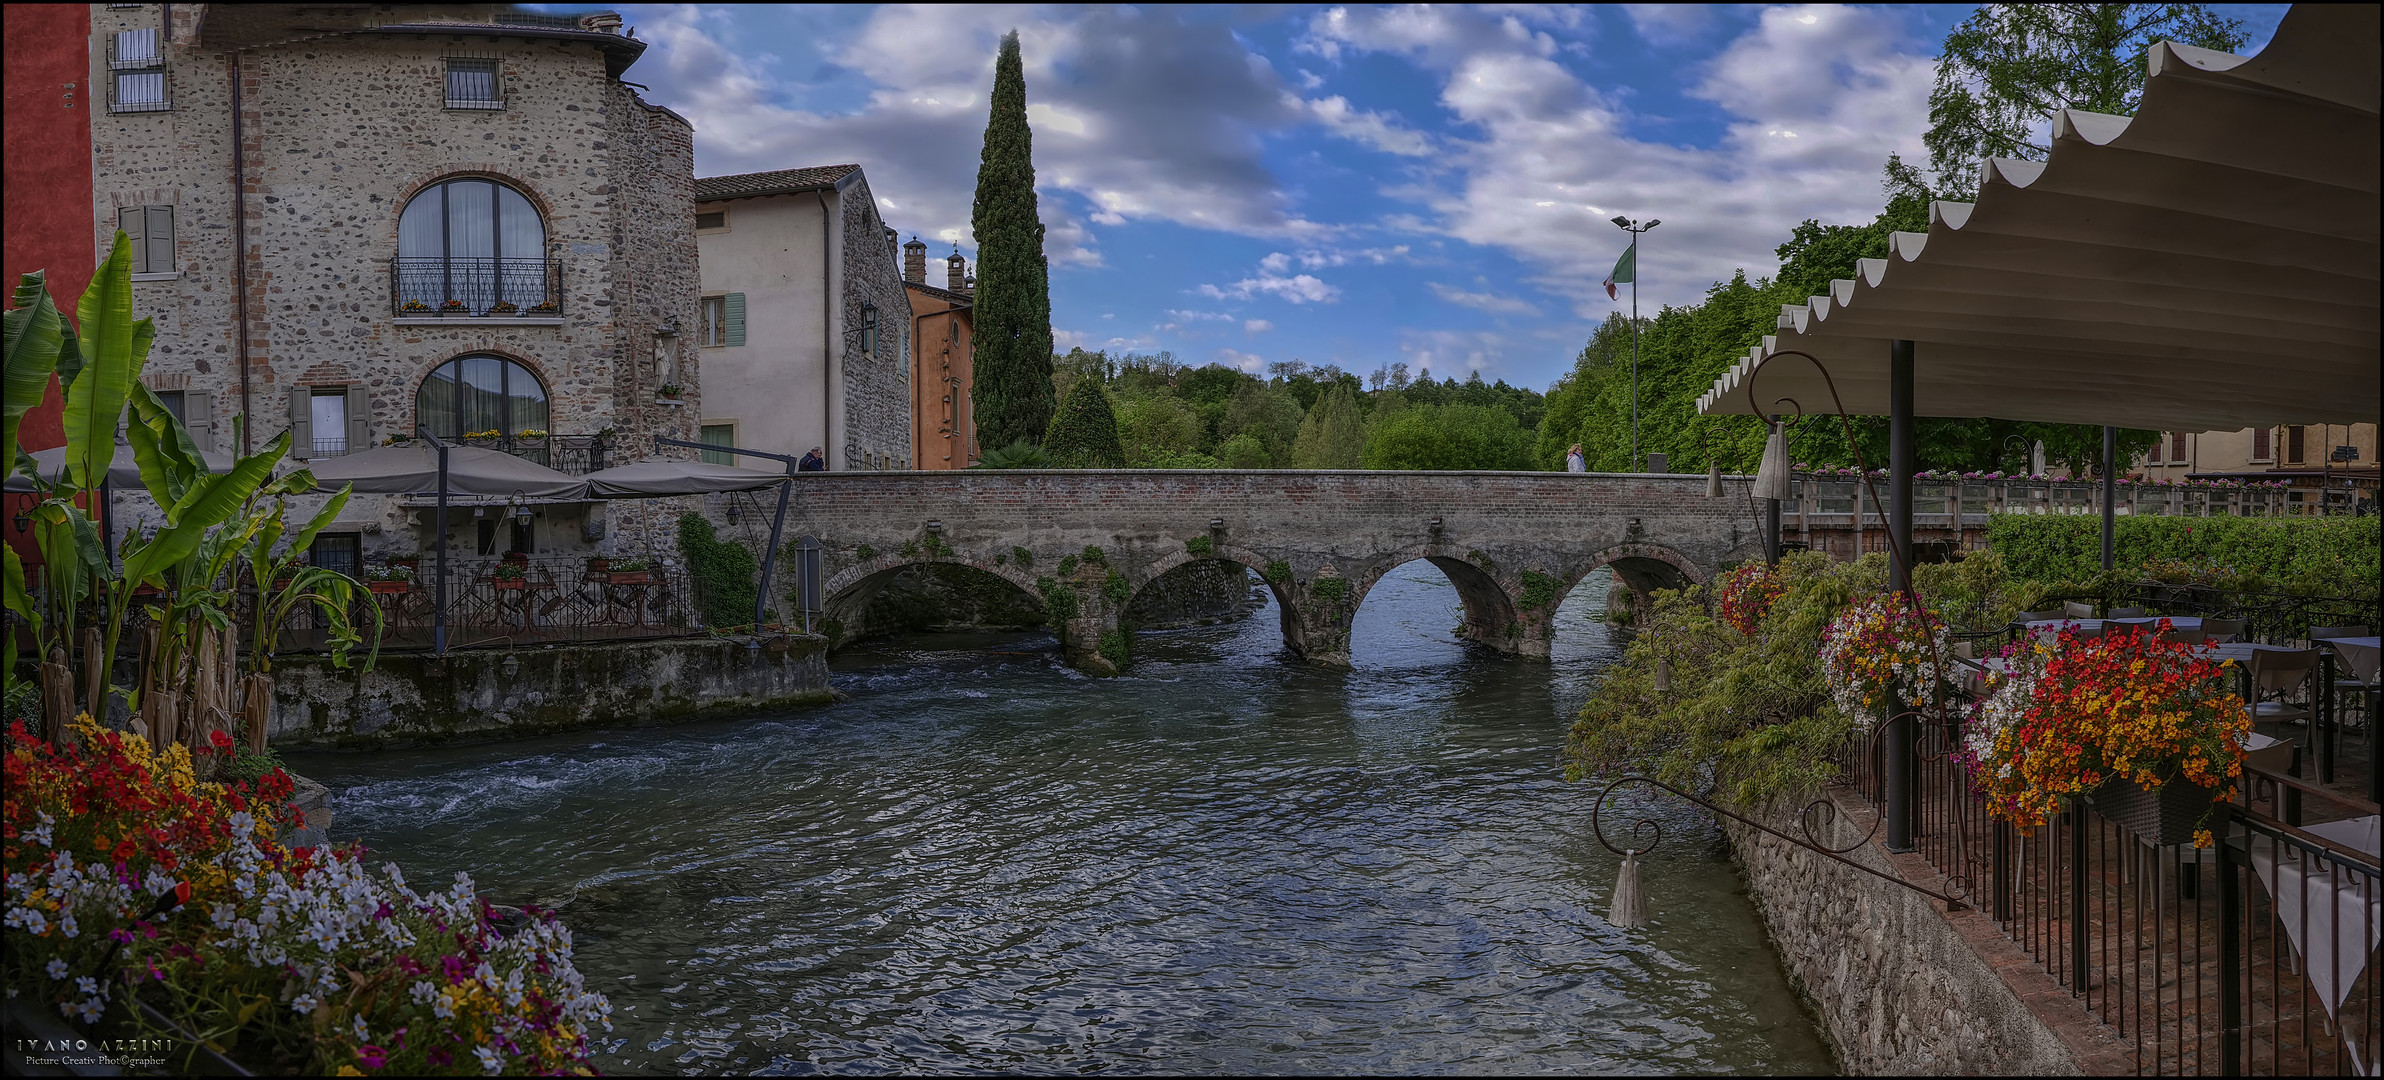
column 414, row 699
column 1902, row 986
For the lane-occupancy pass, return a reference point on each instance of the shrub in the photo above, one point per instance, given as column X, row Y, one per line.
column 1449, row 437
column 2329, row 556
column 1244, row 451
column 1539, row 590
column 1017, row 455
column 864, row 553
column 1024, row 557
column 1084, row 434
column 1094, row 555
column 1067, row 565
column 1059, row 600
column 1200, row 546
column 130, row 880
column 1116, row 589
column 724, row 572
column 1329, row 588
column 1115, row 648
column 1277, row 571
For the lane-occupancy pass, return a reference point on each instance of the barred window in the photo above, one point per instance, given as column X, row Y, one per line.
column 138, row 70
column 472, row 83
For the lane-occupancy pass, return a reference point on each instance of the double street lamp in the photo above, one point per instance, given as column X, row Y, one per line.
column 1636, row 230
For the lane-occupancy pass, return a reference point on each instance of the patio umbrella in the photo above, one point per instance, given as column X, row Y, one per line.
column 659, row 477
column 413, row 468
column 123, row 471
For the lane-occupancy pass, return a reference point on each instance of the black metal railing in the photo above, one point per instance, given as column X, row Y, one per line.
column 2209, row 961
column 502, row 602
column 476, row 287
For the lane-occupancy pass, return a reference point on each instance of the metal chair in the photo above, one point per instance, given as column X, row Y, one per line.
column 2037, row 616
column 2217, row 631
column 2074, row 610
column 2347, row 690
column 2282, row 674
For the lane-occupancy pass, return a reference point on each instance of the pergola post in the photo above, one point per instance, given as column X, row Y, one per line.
column 1900, row 736
column 2110, row 490
column 1771, row 515
column 438, row 618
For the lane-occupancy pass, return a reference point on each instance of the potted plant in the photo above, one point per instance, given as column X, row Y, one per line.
column 491, row 435
column 668, row 392
column 510, row 575
column 402, row 438
column 2149, row 731
column 452, row 307
column 414, row 307
column 630, row 572
column 545, row 307
column 530, row 436
column 389, row 578
column 504, row 307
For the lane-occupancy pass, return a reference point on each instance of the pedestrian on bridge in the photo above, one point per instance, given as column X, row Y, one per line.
column 813, row 462
column 1574, row 462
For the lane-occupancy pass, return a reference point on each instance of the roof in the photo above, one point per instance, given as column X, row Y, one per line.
column 248, row 26
column 945, row 295
column 2210, row 263
column 782, row 182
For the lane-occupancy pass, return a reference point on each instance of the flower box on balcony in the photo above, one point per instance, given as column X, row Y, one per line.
column 509, row 583
column 387, row 588
column 2167, row 815
column 632, row 577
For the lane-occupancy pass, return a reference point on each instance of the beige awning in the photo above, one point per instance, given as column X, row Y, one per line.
column 656, row 478
column 471, row 470
column 2211, row 263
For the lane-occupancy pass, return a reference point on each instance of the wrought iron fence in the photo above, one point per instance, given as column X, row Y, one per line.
column 470, row 287
column 517, row 602
column 1828, row 496
column 2255, row 956
column 577, row 455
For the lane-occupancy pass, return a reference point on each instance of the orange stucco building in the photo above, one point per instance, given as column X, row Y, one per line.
column 943, row 433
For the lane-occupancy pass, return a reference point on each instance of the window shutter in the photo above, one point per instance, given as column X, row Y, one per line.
column 158, row 239
column 129, row 220
column 2259, row 444
column 2177, row 448
column 734, row 308
column 359, row 419
column 302, row 421
column 198, row 416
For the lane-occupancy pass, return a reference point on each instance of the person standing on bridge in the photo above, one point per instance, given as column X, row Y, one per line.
column 813, row 462
column 1574, row 462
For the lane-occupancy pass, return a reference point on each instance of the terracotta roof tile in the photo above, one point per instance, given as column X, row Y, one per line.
column 746, row 185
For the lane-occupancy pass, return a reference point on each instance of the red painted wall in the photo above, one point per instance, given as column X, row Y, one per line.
column 47, row 174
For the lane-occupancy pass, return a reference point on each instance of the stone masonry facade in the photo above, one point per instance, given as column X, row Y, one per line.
column 339, row 129
column 877, row 387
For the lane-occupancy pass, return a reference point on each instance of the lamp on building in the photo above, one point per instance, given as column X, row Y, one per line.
column 519, row 506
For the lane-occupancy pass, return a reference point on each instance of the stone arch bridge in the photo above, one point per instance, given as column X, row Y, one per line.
column 1514, row 543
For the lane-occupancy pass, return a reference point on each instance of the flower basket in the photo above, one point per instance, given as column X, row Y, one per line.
column 2164, row 816
column 633, row 577
column 386, row 588
column 504, row 307
column 454, row 307
column 509, row 583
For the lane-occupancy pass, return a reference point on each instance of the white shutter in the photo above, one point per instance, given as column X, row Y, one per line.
column 198, row 416
column 158, row 239
column 302, row 422
column 129, row 220
column 359, row 419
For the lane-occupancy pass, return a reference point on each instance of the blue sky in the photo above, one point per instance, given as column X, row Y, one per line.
column 1346, row 185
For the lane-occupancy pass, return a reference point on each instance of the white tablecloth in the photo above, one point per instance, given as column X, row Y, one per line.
column 2359, row 656
column 2318, row 899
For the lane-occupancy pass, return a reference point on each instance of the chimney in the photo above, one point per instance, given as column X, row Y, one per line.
column 956, row 270
column 914, row 262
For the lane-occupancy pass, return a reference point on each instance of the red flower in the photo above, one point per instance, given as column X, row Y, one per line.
column 222, row 741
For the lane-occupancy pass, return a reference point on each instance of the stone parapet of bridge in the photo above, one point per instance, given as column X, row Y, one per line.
column 1514, row 543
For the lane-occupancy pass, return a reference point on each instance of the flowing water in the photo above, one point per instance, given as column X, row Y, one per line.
column 1228, row 862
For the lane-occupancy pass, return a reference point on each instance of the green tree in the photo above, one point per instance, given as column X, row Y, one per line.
column 1012, row 393
column 1267, row 414
column 1156, row 427
column 2008, row 67
column 725, row 574
column 1333, row 436
column 1448, row 437
column 1085, row 433
column 1244, row 451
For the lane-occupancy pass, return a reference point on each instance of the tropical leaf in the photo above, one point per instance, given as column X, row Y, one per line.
column 171, row 449
column 112, row 348
column 19, row 601
column 35, row 332
column 305, row 538
column 209, row 503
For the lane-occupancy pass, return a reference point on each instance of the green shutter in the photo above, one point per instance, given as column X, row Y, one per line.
column 734, row 307
column 717, row 435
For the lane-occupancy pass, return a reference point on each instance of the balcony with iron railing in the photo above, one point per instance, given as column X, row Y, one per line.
column 576, row 455
column 476, row 288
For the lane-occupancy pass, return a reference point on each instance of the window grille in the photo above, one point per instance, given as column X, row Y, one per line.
column 716, row 219
column 138, row 73
column 472, row 83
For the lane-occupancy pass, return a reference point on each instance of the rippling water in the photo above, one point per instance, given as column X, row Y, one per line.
column 1229, row 862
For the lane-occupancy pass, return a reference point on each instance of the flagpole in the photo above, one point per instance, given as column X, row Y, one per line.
column 1637, row 231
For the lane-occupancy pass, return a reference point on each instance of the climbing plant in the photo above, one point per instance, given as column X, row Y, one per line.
column 725, row 573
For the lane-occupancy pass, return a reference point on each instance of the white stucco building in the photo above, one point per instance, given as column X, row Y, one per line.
column 803, row 326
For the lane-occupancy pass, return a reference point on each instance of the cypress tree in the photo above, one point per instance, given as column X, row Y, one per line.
column 1334, row 435
column 1085, row 433
column 1012, row 321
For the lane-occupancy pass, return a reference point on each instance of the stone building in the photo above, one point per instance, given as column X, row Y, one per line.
column 943, row 431
column 349, row 220
column 804, row 326
column 2307, row 457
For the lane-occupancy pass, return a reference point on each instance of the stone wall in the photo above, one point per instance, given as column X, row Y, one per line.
column 414, row 699
column 877, row 385
column 1195, row 594
column 1902, row 986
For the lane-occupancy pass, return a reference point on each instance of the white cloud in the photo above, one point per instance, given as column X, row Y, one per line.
column 1234, row 358
column 1495, row 303
column 1298, row 289
column 1452, row 351
column 1256, row 326
column 1381, row 131
column 1669, row 24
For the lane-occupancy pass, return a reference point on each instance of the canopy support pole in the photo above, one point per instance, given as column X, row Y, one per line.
column 2110, row 490
column 1900, row 736
column 438, row 617
column 761, row 595
column 1771, row 517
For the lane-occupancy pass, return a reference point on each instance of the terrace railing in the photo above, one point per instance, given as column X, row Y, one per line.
column 1828, row 500
column 466, row 287
column 533, row 601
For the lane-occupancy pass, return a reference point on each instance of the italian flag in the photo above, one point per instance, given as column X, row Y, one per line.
column 1626, row 271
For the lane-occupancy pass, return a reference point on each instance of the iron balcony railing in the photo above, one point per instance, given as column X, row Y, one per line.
column 495, row 601
column 577, row 455
column 473, row 287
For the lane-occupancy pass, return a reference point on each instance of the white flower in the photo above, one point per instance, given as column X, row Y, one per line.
column 86, row 1011
column 27, row 919
column 39, row 835
column 66, row 924
column 87, row 986
column 303, row 1004
column 56, row 968
column 363, row 1033
column 422, row 991
column 488, row 1058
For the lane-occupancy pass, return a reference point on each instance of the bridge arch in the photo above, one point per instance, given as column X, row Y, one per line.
column 1286, row 607
column 851, row 594
column 1640, row 567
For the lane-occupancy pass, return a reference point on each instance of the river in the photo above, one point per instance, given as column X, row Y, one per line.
column 1227, row 862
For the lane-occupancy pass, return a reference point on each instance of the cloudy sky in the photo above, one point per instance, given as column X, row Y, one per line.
column 1346, row 185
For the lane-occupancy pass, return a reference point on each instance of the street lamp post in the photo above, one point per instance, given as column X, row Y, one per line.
column 1636, row 230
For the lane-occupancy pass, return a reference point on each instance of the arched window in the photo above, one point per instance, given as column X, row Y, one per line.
column 475, row 247
column 473, row 394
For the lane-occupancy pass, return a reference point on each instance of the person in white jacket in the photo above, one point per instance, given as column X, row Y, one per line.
column 1574, row 462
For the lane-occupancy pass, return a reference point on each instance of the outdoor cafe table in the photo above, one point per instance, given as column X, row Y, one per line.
column 2326, row 901
column 2184, row 622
